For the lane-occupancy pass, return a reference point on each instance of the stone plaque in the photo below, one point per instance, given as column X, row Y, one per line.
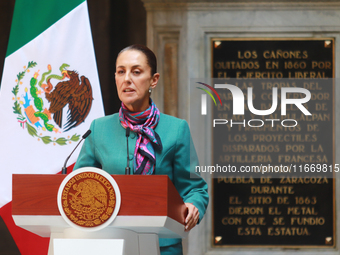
column 293, row 208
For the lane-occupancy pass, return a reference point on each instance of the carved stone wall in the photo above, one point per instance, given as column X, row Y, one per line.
column 180, row 32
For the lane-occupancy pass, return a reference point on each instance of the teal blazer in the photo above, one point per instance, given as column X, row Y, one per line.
column 105, row 148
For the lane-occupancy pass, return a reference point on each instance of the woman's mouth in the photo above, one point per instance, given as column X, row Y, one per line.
column 128, row 90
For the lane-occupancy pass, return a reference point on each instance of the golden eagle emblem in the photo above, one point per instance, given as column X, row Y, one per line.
column 88, row 201
column 90, row 198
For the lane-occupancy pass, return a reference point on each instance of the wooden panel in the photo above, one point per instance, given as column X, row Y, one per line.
column 35, row 194
column 177, row 210
column 141, row 195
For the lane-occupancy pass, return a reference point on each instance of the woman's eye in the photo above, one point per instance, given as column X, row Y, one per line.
column 120, row 71
column 136, row 72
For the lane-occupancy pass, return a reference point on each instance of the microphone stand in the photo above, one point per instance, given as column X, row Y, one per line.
column 127, row 168
column 64, row 169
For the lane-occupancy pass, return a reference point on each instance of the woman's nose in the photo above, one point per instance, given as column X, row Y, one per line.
column 127, row 77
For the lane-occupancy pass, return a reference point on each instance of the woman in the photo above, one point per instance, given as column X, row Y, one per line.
column 160, row 144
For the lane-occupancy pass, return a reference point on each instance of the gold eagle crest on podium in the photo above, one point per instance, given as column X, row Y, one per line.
column 88, row 199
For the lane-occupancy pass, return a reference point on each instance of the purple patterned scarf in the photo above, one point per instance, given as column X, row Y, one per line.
column 143, row 123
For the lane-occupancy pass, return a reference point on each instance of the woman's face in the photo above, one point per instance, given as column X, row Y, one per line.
column 133, row 80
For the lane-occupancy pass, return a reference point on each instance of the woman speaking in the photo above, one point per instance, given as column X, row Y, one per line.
column 161, row 143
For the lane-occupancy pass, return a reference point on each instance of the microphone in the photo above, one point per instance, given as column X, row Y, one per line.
column 63, row 170
column 127, row 168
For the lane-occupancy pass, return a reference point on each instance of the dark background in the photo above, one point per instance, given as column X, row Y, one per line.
column 115, row 24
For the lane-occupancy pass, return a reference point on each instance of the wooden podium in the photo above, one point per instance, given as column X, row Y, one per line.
column 150, row 208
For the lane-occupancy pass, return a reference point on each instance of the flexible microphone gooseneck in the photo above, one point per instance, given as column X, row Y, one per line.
column 63, row 170
column 127, row 168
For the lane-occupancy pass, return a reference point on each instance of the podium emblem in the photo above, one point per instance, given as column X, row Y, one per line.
column 89, row 198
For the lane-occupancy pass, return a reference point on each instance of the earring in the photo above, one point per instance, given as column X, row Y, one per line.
column 150, row 90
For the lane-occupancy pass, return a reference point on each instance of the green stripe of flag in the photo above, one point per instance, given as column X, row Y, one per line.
column 32, row 17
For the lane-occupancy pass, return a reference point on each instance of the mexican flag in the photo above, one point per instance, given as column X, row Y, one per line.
column 49, row 95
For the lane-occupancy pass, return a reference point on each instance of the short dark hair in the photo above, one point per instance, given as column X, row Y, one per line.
column 150, row 56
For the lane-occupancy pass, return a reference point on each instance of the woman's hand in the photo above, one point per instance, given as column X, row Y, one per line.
column 192, row 217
